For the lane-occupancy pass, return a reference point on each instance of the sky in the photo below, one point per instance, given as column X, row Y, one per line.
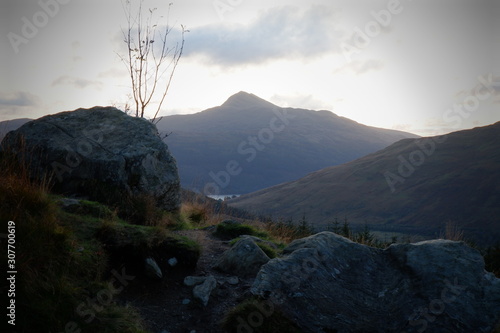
column 426, row 67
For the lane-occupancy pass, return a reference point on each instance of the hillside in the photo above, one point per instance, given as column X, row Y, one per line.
column 270, row 144
column 10, row 125
column 129, row 265
column 414, row 185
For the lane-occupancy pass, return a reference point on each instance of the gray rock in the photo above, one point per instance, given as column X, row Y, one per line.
column 258, row 240
column 99, row 153
column 244, row 258
column 172, row 262
column 186, row 301
column 232, row 280
column 203, row 291
column 327, row 283
column 68, row 202
column 152, row 270
column 191, row 281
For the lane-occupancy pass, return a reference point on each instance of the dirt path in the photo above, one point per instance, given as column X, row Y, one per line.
column 163, row 304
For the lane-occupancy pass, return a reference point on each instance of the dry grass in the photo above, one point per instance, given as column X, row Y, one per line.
column 53, row 276
column 280, row 232
column 200, row 213
column 453, row 232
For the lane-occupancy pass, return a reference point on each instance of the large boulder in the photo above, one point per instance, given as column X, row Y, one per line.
column 100, row 153
column 326, row 283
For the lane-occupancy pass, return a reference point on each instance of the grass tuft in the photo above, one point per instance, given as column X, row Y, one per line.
column 231, row 229
column 259, row 316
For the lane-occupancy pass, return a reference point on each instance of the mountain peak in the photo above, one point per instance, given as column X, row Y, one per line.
column 244, row 100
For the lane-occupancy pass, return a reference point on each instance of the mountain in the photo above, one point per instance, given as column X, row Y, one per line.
column 247, row 144
column 10, row 125
column 413, row 185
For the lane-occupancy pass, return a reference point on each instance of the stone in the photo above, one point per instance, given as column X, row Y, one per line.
column 152, row 270
column 191, row 281
column 327, row 283
column 202, row 291
column 232, row 280
column 186, row 301
column 257, row 240
column 99, row 153
column 244, row 258
column 172, row 262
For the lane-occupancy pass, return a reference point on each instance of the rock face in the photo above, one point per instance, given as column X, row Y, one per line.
column 326, row 283
column 244, row 258
column 99, row 151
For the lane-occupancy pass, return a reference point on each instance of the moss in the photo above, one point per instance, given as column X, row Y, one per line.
column 266, row 248
column 91, row 208
column 231, row 229
column 259, row 316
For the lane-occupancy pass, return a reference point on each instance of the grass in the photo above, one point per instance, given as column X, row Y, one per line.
column 255, row 315
column 58, row 269
column 231, row 229
column 270, row 251
column 66, row 254
column 63, row 259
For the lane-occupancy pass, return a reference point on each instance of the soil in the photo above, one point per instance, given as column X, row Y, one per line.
column 161, row 303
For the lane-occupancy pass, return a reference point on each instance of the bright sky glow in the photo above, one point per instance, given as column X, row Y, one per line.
column 404, row 64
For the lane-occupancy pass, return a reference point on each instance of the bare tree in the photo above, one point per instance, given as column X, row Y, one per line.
column 149, row 58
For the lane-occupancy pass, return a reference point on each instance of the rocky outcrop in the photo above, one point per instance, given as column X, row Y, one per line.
column 326, row 283
column 244, row 258
column 101, row 153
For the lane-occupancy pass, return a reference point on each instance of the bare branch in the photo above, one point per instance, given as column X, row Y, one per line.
column 149, row 57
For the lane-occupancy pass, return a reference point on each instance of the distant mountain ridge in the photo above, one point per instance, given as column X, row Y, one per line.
column 248, row 143
column 415, row 185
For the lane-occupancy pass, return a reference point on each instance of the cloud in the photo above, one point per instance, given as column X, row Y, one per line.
column 496, row 89
column 18, row 104
column 364, row 67
column 300, row 101
column 76, row 82
column 493, row 87
column 280, row 33
column 18, row 98
column 361, row 67
column 113, row 73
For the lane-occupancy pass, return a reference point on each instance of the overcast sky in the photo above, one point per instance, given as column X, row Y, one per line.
column 427, row 67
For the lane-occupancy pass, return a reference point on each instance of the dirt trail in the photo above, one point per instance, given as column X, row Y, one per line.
column 162, row 304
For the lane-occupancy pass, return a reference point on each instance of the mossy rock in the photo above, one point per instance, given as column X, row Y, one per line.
column 230, row 229
column 85, row 208
column 269, row 248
